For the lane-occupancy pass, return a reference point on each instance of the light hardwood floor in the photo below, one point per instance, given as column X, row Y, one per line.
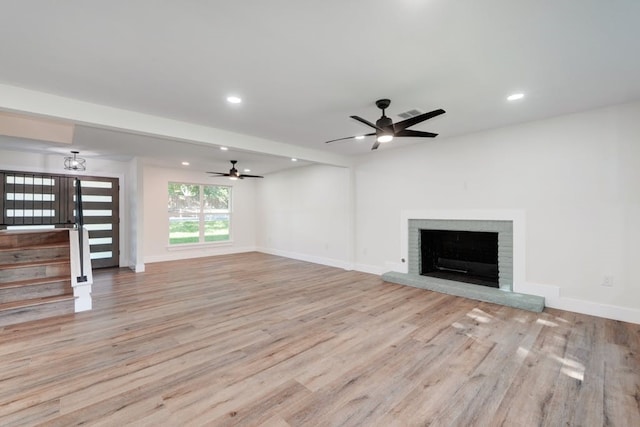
column 255, row 339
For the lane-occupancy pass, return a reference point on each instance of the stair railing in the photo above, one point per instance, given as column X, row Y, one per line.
column 79, row 224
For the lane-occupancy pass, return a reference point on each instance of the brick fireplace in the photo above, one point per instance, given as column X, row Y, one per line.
column 510, row 229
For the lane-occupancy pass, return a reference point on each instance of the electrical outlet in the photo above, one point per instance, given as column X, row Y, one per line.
column 607, row 281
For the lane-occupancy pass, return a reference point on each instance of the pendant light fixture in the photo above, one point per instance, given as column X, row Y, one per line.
column 75, row 163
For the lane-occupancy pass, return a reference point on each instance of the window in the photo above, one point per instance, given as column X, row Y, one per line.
column 199, row 213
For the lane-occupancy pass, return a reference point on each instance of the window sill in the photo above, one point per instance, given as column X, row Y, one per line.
column 187, row 246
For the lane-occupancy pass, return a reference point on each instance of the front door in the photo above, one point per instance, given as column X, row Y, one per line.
column 100, row 206
column 29, row 200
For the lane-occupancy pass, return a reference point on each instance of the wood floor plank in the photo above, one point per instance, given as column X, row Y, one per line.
column 254, row 339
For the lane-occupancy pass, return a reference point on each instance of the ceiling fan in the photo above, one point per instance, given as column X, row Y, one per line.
column 386, row 130
column 234, row 174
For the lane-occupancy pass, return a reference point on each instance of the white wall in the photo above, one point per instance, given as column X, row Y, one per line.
column 54, row 163
column 576, row 178
column 306, row 213
column 156, row 217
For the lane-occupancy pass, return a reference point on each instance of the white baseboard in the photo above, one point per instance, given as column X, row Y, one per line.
column 371, row 269
column 198, row 253
column 137, row 267
column 549, row 292
column 591, row 308
column 309, row 258
column 554, row 299
column 400, row 267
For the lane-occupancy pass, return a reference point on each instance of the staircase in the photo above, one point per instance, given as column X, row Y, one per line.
column 35, row 275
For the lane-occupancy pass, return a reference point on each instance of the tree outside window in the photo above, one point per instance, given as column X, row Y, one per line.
column 199, row 213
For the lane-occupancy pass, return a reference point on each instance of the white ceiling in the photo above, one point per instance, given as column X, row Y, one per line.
column 303, row 68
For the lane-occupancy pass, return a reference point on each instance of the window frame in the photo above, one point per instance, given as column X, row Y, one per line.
column 201, row 215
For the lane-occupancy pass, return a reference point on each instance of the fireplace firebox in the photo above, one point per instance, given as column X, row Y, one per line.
column 462, row 256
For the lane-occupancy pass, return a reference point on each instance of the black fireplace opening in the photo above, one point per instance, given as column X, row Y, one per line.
column 462, row 256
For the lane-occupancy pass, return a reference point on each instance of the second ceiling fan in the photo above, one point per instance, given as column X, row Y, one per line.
column 234, row 173
column 386, row 130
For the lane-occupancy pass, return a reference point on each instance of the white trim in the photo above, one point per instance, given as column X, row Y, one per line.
column 394, row 266
column 137, row 268
column 607, row 311
column 553, row 299
column 371, row 269
column 198, row 253
column 331, row 262
column 199, row 245
column 549, row 292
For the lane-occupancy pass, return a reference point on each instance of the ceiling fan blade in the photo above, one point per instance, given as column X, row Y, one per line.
column 416, row 133
column 220, row 173
column 375, row 145
column 366, row 122
column 244, row 175
column 340, row 139
column 348, row 137
column 417, row 119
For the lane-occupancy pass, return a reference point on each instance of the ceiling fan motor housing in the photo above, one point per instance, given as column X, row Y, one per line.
column 384, row 122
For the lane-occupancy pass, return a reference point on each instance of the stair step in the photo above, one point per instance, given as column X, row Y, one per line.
column 35, row 275
column 34, row 302
column 35, row 309
column 34, row 282
column 31, row 271
column 30, row 289
column 37, row 246
column 18, row 265
column 32, row 254
column 14, row 239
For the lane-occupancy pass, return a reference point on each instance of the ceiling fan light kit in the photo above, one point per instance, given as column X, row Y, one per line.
column 385, row 138
column 386, row 130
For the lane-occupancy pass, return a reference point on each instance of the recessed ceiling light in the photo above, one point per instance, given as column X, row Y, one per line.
column 224, row 148
column 247, row 170
column 293, row 159
column 185, row 163
column 359, row 137
column 515, row 96
column 234, row 99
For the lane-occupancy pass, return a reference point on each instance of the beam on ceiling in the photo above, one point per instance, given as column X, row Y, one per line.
column 23, row 126
column 42, row 104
